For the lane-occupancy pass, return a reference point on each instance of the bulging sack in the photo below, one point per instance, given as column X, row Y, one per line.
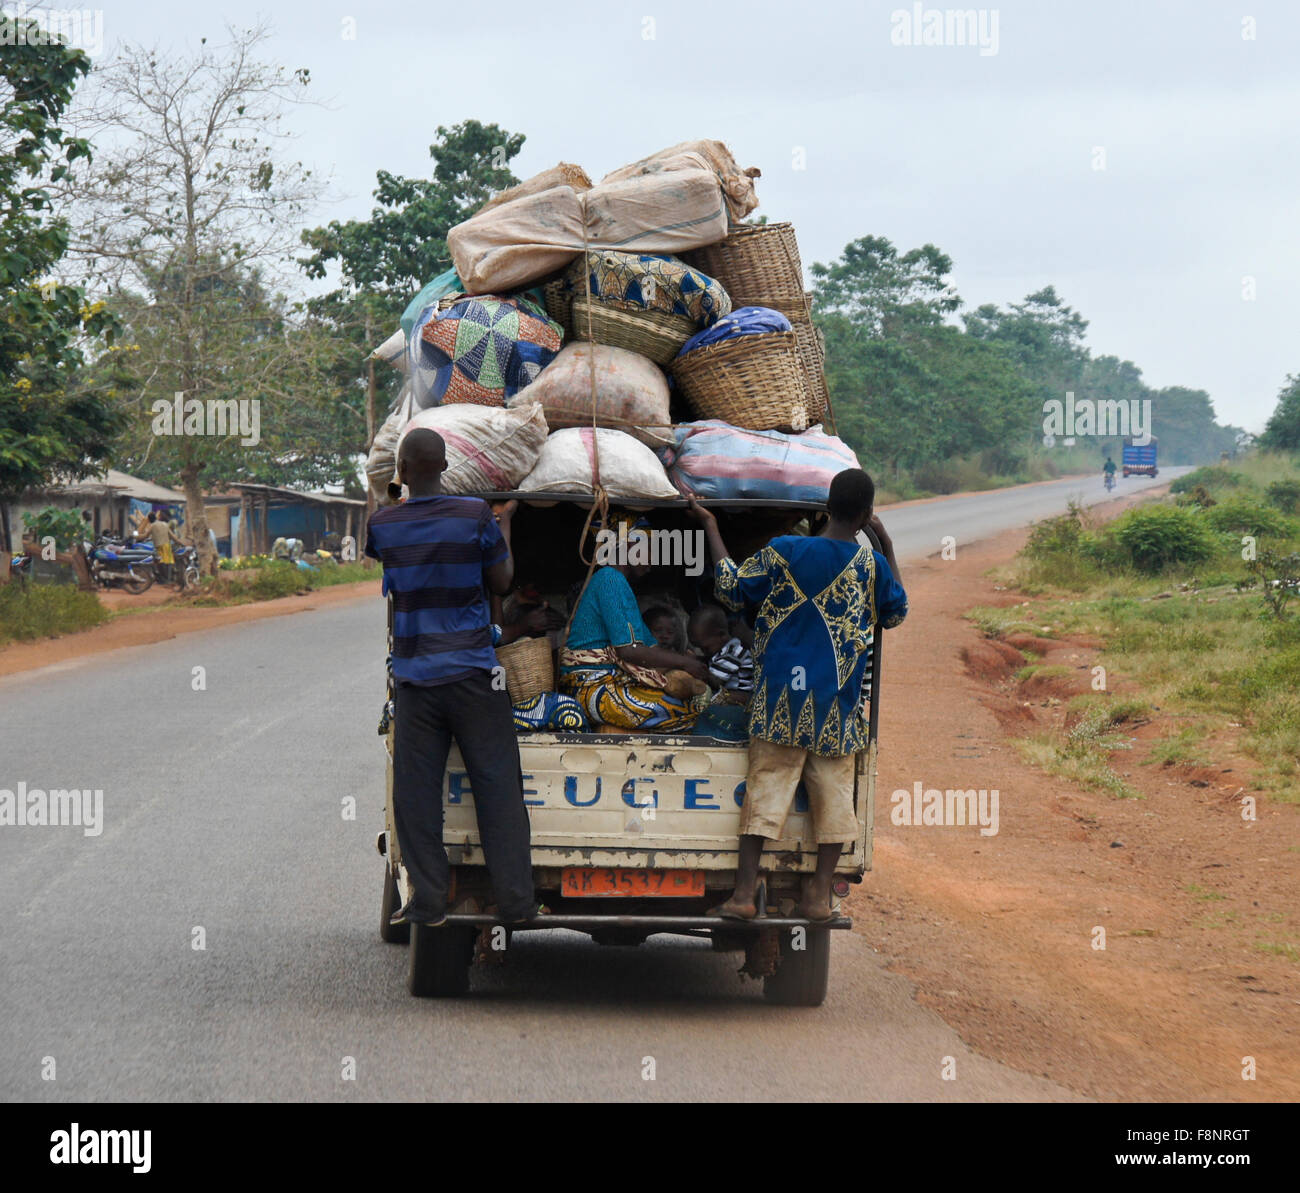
column 509, row 246
column 570, row 458
column 489, row 449
column 715, row 459
column 381, row 463
column 737, row 184
column 482, row 349
column 631, row 393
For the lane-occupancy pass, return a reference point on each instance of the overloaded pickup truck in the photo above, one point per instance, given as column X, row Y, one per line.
column 635, row 834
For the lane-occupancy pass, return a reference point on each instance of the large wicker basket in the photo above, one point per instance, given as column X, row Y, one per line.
column 653, row 334
column 758, row 266
column 529, row 668
column 812, row 358
column 755, row 382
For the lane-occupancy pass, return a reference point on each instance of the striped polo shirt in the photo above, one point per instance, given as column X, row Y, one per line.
column 434, row 550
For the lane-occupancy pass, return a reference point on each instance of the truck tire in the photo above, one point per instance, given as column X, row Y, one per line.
column 803, row 975
column 388, row 905
column 440, row 960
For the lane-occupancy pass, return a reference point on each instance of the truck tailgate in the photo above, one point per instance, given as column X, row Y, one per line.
column 643, row 802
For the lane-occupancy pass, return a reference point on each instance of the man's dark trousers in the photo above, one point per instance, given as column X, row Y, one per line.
column 478, row 717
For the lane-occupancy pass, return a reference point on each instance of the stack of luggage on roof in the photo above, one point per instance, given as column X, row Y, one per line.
column 639, row 335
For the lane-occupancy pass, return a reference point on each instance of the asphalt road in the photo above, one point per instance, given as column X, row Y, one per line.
column 919, row 529
column 224, row 824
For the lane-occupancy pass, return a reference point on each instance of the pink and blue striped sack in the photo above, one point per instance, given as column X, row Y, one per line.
column 715, row 459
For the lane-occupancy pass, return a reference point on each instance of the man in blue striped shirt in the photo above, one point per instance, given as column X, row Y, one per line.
column 441, row 555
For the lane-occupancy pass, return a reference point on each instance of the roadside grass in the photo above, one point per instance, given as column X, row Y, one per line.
column 1164, row 586
column 29, row 611
column 1043, row 671
column 1082, row 752
column 275, row 579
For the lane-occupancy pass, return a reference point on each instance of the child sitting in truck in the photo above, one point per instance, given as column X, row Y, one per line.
column 666, row 626
column 731, row 666
column 731, row 674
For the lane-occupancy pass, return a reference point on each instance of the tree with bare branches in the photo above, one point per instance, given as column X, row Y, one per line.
column 190, row 213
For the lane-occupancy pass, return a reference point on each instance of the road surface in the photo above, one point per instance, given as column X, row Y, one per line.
column 227, row 794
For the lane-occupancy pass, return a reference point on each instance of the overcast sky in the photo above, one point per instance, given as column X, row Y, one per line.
column 988, row 152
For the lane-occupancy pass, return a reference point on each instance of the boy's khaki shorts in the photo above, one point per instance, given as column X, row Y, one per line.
column 774, row 773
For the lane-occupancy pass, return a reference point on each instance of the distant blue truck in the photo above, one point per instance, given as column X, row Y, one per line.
column 1139, row 459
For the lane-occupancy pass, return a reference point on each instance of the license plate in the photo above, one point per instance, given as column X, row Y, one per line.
column 584, row 882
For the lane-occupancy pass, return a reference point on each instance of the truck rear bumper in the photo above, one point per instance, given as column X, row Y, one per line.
column 655, row 923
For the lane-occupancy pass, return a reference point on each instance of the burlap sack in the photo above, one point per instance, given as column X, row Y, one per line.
column 509, row 246
column 737, row 184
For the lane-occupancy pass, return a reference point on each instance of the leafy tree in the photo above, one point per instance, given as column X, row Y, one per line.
column 49, row 422
column 191, row 206
column 1282, row 432
column 1184, row 423
column 883, row 291
column 1042, row 335
column 906, row 385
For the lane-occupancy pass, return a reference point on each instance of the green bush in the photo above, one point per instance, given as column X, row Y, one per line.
column 1285, row 494
column 1246, row 515
column 43, row 610
column 1151, row 538
column 66, row 527
column 1213, row 476
column 1054, row 535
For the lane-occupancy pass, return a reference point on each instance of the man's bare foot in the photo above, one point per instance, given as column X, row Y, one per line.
column 813, row 910
column 736, row 909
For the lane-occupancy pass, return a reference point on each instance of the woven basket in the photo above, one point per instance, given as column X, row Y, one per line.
column 758, row 266
column 653, row 334
column 754, row 382
column 528, row 666
column 557, row 307
column 812, row 358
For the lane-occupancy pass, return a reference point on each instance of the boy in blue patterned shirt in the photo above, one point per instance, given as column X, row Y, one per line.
column 816, row 604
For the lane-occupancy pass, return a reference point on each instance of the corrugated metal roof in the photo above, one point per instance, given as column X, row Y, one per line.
column 121, row 483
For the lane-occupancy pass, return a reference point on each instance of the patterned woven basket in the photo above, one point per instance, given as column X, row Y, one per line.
column 758, row 266
column 754, row 382
column 653, row 334
column 529, row 668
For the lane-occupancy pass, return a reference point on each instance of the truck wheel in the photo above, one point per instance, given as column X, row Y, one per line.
column 440, row 960
column 388, row 905
column 803, row 975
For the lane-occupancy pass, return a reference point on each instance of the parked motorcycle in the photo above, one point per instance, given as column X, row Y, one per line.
column 114, row 563
column 187, row 566
column 20, row 568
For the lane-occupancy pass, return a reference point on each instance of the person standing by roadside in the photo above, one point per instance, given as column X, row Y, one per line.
column 817, row 601
column 442, row 556
column 162, row 536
